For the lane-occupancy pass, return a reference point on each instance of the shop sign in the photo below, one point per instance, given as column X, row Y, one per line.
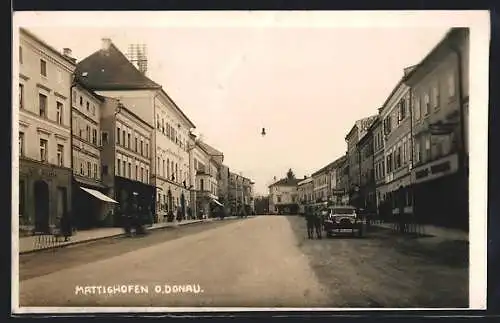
column 33, row 171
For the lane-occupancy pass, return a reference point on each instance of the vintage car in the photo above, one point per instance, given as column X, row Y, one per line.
column 344, row 219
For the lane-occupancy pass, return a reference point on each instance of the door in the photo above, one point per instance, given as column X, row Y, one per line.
column 41, row 206
column 183, row 204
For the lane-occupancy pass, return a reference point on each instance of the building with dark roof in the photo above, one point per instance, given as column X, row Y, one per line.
column 108, row 72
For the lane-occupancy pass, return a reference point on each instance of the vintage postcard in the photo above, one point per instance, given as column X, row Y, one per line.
column 249, row 160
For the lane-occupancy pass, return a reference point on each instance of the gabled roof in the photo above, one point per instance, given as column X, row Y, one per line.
column 209, row 149
column 108, row 70
column 286, row 182
column 111, row 70
column 331, row 165
column 46, row 45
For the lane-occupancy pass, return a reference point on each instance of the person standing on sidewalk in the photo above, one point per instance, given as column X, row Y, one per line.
column 66, row 227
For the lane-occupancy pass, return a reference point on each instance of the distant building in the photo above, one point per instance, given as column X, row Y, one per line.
column 379, row 160
column 336, row 189
column 283, row 197
column 353, row 156
column 367, row 179
column 305, row 191
column 45, row 176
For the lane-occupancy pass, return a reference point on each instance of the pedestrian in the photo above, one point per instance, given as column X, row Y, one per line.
column 309, row 223
column 66, row 229
column 318, row 222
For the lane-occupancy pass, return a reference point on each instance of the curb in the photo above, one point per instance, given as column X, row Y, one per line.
column 72, row 243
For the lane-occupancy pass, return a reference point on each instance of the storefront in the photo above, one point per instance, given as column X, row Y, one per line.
column 92, row 205
column 441, row 193
column 44, row 195
column 133, row 197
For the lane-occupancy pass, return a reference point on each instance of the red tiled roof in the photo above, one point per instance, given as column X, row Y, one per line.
column 111, row 70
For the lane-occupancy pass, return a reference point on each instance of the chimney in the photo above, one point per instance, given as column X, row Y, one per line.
column 67, row 52
column 105, row 43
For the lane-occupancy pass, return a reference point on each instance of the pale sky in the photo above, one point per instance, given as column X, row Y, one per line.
column 305, row 85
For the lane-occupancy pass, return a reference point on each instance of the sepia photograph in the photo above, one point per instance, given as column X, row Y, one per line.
column 249, row 160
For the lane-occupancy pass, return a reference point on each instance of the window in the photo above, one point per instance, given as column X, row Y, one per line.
column 60, row 155
column 89, row 169
column 201, row 184
column 43, row 150
column 129, row 169
column 136, row 171
column 93, row 109
column 402, row 108
column 278, row 199
column 389, row 163
column 124, row 168
column 88, row 132
column 43, row 67
column 451, row 85
column 136, row 144
column 104, row 136
column 95, row 171
column 21, row 96
column 176, row 172
column 21, row 143
column 118, row 165
column 418, row 152
column 405, row 148
column 417, row 108
column 20, row 55
column 141, row 148
column 172, row 169
column 21, row 197
column 128, row 140
column 81, row 100
column 82, row 166
column 427, row 148
column 118, row 135
column 73, row 96
column 158, row 126
column 426, row 104
column 435, row 95
column 42, row 102
column 142, row 174
column 168, row 168
column 88, row 106
column 123, row 137
column 94, row 136
column 162, row 126
column 147, row 176
column 59, row 112
column 147, row 149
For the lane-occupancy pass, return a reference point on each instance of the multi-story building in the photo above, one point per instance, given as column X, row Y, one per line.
column 248, row 198
column 223, row 183
column 45, row 77
column 366, row 167
column 343, row 180
column 396, row 123
column 321, row 183
column 440, row 91
column 126, row 163
column 109, row 73
column 378, row 160
column 336, row 190
column 305, row 189
column 236, row 195
column 206, row 185
column 353, row 157
column 88, row 210
column 283, row 197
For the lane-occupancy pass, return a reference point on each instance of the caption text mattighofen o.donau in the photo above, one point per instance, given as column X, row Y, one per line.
column 137, row 289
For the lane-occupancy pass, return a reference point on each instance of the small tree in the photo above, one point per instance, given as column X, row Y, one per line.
column 290, row 174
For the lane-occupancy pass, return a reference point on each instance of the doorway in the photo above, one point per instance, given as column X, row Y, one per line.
column 42, row 221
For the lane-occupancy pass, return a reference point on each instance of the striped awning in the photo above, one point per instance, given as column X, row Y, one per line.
column 98, row 195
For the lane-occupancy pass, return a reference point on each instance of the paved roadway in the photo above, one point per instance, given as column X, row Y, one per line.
column 256, row 262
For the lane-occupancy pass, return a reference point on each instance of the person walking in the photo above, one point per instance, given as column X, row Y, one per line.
column 318, row 216
column 309, row 222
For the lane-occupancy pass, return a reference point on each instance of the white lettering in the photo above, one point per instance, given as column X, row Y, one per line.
column 79, row 289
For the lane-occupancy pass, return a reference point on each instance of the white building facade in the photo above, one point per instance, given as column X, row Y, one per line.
column 44, row 134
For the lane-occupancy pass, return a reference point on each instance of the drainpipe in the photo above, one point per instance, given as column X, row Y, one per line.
column 73, row 84
column 154, row 155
